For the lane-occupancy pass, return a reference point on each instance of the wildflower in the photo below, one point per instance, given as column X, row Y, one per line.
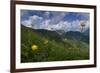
column 82, row 24
column 34, row 47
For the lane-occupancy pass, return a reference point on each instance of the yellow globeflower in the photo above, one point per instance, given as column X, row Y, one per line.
column 46, row 41
column 34, row 47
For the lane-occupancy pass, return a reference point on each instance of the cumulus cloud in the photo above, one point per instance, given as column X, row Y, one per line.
column 26, row 23
column 57, row 17
column 33, row 21
column 55, row 21
column 46, row 15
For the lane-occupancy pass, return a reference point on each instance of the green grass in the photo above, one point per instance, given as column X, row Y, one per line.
column 70, row 49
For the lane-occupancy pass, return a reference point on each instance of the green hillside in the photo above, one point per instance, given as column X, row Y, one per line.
column 43, row 45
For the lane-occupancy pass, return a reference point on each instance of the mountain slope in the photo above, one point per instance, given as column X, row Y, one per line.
column 77, row 35
column 43, row 45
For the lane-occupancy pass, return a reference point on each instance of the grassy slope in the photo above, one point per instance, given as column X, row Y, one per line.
column 54, row 50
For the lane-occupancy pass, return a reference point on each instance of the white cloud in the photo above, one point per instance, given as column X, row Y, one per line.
column 55, row 23
column 26, row 23
column 46, row 14
column 57, row 17
column 33, row 21
column 35, row 17
column 45, row 24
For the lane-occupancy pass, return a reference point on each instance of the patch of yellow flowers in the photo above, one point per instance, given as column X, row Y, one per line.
column 34, row 47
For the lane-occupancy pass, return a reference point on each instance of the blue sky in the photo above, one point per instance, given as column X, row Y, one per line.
column 54, row 20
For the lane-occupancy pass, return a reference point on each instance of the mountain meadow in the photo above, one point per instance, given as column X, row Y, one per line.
column 41, row 45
